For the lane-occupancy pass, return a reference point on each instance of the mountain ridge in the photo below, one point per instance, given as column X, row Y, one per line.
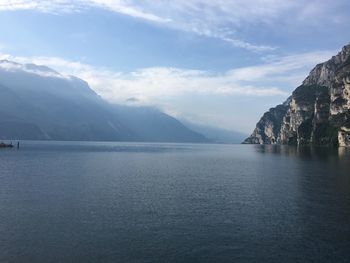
column 317, row 113
column 38, row 103
column 215, row 134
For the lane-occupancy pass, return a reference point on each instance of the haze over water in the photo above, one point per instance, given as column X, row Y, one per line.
column 138, row 202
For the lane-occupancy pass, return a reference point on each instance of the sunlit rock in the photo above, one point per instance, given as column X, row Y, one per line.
column 317, row 112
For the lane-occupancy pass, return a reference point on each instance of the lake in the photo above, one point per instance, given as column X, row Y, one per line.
column 148, row 202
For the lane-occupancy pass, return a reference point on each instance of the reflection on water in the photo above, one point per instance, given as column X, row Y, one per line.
column 344, row 152
column 306, row 152
column 139, row 202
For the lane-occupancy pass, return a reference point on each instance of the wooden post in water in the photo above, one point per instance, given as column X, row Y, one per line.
column 18, row 145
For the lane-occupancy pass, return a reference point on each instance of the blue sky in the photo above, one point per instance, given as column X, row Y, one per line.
column 215, row 62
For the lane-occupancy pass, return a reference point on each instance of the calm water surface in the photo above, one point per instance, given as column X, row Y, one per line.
column 134, row 202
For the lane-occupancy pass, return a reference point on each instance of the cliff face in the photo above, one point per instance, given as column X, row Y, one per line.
column 317, row 113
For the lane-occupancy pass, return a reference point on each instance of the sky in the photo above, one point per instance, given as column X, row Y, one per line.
column 221, row 63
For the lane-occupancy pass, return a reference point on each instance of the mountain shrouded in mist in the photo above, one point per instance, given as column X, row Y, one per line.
column 38, row 103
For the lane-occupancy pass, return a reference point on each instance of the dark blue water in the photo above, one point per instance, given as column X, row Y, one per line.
column 110, row 202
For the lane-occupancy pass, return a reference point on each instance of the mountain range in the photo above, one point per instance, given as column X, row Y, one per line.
column 215, row 134
column 38, row 103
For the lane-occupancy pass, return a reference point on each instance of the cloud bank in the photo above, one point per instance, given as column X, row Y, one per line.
column 152, row 85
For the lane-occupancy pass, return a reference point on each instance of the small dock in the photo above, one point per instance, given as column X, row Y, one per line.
column 9, row 145
column 6, row 145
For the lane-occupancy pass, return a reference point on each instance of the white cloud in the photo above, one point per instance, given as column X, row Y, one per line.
column 187, row 92
column 126, row 8
column 69, row 6
column 214, row 19
column 151, row 85
column 220, row 19
column 30, row 68
column 55, row 6
column 148, row 85
column 282, row 67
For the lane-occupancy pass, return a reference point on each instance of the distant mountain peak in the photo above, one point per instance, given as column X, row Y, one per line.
column 40, row 68
column 323, row 73
column 31, row 68
column 8, row 64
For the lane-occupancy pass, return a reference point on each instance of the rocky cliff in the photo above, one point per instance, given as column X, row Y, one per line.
column 317, row 113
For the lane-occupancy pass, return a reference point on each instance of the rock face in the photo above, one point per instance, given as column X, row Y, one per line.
column 317, row 113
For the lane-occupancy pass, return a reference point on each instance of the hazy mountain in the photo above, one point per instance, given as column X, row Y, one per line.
column 37, row 102
column 317, row 113
column 214, row 134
